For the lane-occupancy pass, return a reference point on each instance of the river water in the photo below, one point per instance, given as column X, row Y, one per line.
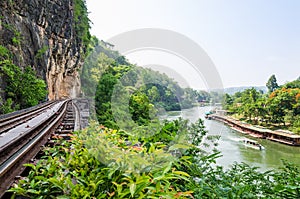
column 233, row 150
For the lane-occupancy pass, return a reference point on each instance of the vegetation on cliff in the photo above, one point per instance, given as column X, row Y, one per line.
column 23, row 89
column 52, row 37
column 82, row 23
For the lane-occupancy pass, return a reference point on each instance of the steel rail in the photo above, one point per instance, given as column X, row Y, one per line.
column 12, row 162
column 11, row 121
column 14, row 145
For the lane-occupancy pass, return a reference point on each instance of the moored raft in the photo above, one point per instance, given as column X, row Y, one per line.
column 281, row 136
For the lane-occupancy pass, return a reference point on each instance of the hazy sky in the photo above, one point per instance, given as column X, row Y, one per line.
column 248, row 40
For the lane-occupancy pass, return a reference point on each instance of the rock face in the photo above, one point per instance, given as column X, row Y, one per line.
column 41, row 34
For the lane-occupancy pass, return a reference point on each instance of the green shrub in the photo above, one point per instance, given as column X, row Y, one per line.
column 103, row 163
column 23, row 88
column 6, row 107
column 4, row 53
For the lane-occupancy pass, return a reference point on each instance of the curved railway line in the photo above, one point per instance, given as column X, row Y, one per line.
column 23, row 134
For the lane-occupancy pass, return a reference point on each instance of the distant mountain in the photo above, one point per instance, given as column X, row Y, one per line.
column 232, row 90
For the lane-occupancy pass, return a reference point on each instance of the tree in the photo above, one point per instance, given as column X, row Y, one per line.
column 94, row 67
column 139, row 107
column 249, row 100
column 272, row 84
column 283, row 102
column 292, row 84
column 103, row 99
column 153, row 94
column 203, row 96
column 227, row 101
column 189, row 98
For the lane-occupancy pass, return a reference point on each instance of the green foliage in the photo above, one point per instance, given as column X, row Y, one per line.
column 295, row 124
column 23, row 89
column 142, row 93
column 286, row 182
column 227, row 101
column 142, row 100
column 103, row 99
column 272, row 84
column 7, row 106
column 279, row 108
column 216, row 97
column 4, row 53
column 250, row 102
column 82, row 22
column 16, row 41
column 293, row 84
column 203, row 97
column 165, row 95
column 139, row 107
column 103, row 163
column 16, row 38
column 97, row 61
column 168, row 93
column 41, row 52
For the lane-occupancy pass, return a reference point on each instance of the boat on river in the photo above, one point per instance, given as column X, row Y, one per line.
column 253, row 144
column 207, row 114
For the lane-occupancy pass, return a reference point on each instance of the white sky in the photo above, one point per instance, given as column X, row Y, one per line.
column 247, row 40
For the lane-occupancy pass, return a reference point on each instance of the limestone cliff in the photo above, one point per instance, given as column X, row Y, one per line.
column 42, row 34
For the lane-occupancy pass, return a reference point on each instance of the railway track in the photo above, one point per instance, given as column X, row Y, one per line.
column 13, row 120
column 21, row 143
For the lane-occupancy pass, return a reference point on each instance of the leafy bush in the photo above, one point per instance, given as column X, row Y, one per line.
column 7, row 106
column 23, row 89
column 103, row 163
column 4, row 53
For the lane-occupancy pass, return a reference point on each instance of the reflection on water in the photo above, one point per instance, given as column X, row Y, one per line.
column 235, row 151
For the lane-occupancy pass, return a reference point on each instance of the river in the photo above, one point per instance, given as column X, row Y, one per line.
column 233, row 150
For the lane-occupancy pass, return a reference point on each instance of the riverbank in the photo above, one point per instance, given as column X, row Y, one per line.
column 281, row 136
